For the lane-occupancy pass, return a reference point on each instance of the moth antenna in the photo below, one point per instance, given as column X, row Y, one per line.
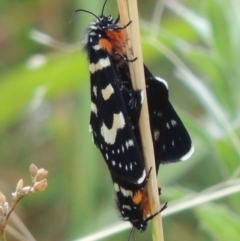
column 131, row 234
column 155, row 214
column 117, row 19
column 103, row 7
column 82, row 10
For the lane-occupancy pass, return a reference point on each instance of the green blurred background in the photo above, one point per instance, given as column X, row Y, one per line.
column 44, row 113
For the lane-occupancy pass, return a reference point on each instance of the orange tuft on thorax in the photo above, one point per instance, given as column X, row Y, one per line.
column 114, row 41
column 106, row 45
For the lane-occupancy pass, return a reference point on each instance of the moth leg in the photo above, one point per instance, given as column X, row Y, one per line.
column 124, row 57
column 133, row 100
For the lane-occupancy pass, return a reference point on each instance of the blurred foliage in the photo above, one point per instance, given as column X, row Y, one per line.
column 44, row 96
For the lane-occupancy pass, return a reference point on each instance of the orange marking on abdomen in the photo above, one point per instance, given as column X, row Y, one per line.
column 137, row 199
column 145, row 206
column 141, row 198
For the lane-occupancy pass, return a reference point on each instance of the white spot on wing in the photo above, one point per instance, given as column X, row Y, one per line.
column 96, row 47
column 109, row 135
column 116, row 187
column 142, row 96
column 162, row 80
column 90, row 129
column 125, row 192
column 142, row 178
column 101, row 64
column 113, row 163
column 156, row 134
column 173, row 122
column 95, row 90
column 157, row 113
column 94, row 108
column 129, row 143
column 126, row 207
column 107, row 92
column 187, row 155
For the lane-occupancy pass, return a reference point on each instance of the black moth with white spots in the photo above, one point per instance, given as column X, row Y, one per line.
column 109, row 122
column 133, row 202
column 171, row 140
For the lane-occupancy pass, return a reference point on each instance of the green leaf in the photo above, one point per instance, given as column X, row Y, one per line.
column 61, row 74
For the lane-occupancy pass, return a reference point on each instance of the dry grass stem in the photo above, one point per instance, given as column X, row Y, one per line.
column 138, row 80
